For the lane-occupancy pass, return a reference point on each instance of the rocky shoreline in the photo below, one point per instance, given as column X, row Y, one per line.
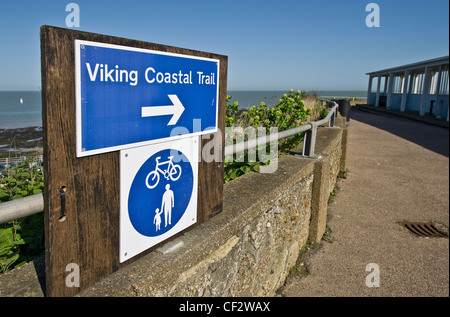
column 20, row 142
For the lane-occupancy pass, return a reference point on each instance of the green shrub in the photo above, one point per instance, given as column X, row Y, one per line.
column 21, row 240
column 288, row 113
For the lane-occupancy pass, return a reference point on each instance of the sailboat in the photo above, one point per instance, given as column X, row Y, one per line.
column 21, row 100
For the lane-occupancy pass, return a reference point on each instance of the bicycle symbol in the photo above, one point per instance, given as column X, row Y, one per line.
column 173, row 172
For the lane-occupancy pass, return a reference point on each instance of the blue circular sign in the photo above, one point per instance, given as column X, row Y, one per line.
column 160, row 192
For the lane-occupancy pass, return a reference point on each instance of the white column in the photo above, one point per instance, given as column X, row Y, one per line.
column 425, row 90
column 369, row 89
column 405, row 91
column 415, row 88
column 437, row 108
column 411, row 82
column 390, row 85
column 377, row 98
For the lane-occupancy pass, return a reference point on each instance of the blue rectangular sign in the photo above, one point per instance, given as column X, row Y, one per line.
column 128, row 96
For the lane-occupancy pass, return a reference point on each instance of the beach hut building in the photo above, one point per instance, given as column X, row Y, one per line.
column 422, row 87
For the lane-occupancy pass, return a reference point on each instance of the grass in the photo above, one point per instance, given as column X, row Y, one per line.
column 332, row 195
column 301, row 267
column 299, row 270
column 327, row 235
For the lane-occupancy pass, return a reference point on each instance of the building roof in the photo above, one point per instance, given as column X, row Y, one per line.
column 414, row 66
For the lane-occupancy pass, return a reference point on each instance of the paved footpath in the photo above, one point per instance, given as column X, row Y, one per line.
column 397, row 170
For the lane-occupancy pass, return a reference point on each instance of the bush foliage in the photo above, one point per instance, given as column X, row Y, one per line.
column 21, row 240
column 288, row 113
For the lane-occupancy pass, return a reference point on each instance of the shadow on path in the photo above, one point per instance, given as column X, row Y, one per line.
column 433, row 138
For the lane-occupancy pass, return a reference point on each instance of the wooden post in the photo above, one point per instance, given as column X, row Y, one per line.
column 81, row 196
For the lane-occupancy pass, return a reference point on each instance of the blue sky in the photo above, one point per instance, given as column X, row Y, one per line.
column 299, row 44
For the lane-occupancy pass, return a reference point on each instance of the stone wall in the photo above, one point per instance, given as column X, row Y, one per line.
column 247, row 249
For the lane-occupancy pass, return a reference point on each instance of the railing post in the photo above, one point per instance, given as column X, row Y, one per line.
column 331, row 123
column 309, row 143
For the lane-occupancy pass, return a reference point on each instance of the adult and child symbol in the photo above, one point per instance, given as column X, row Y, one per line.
column 166, row 206
column 173, row 171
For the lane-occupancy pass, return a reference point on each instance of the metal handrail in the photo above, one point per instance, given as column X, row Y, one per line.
column 30, row 205
column 22, row 207
column 252, row 143
column 256, row 142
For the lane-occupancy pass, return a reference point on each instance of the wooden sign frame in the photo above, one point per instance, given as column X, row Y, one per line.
column 81, row 195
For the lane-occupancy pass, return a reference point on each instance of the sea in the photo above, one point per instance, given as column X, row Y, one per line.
column 248, row 98
column 21, row 109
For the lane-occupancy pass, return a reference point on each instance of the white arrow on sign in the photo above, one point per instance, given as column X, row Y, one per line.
column 175, row 110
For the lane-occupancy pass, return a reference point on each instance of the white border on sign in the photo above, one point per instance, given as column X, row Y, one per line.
column 131, row 160
column 80, row 152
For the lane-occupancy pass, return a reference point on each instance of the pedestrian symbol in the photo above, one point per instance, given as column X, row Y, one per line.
column 167, row 204
column 157, row 220
column 166, row 207
column 159, row 194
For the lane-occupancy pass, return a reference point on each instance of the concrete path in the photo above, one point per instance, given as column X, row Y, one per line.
column 397, row 170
